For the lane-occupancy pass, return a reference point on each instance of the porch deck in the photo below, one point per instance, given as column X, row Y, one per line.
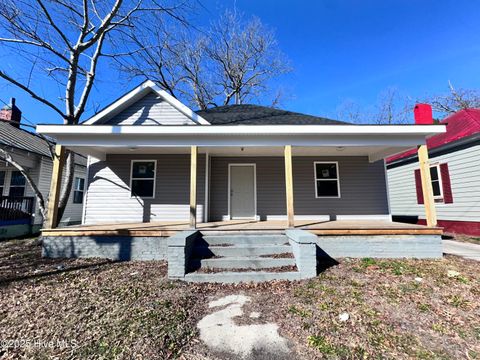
column 169, row 228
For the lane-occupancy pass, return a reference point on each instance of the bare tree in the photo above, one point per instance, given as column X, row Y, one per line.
column 350, row 111
column 61, row 42
column 233, row 61
column 392, row 107
column 455, row 100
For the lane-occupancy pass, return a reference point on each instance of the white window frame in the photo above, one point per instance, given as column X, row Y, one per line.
column 10, row 186
column 154, row 178
column 437, row 197
column 337, row 179
column 3, row 186
column 75, row 189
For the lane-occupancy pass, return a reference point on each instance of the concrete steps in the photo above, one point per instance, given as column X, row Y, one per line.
column 245, row 239
column 242, row 262
column 241, row 250
column 237, row 277
column 239, row 257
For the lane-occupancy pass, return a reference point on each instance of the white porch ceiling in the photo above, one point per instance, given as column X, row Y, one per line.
column 374, row 152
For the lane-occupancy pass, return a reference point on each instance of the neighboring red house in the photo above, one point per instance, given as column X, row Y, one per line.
column 455, row 171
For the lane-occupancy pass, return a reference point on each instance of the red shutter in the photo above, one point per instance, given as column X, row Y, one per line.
column 446, row 185
column 418, row 186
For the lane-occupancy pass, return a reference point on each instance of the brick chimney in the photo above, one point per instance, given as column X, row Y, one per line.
column 11, row 114
column 423, row 114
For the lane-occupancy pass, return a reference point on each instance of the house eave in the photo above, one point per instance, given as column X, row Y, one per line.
column 219, row 130
column 98, row 141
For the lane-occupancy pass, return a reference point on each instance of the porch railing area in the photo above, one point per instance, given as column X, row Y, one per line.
column 16, row 208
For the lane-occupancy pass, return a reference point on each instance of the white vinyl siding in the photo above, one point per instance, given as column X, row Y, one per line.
column 464, row 169
column 108, row 190
column 150, row 110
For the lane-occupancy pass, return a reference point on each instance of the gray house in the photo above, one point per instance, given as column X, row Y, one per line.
column 165, row 182
column 19, row 213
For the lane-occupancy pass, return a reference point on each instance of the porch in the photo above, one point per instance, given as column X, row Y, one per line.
column 170, row 228
column 244, row 250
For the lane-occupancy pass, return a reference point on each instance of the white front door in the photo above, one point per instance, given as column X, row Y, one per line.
column 242, row 188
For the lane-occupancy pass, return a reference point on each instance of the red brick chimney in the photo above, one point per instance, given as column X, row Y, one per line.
column 423, row 114
column 11, row 114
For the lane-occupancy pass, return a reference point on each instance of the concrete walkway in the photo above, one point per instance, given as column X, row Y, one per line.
column 466, row 250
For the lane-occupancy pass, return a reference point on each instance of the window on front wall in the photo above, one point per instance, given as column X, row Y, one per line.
column 78, row 188
column 143, row 178
column 327, row 180
column 17, row 184
column 436, row 181
column 2, row 182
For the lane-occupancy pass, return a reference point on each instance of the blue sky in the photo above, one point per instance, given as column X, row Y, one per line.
column 346, row 50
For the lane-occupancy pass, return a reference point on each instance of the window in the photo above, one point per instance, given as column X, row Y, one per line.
column 2, row 182
column 436, row 182
column 17, row 184
column 327, row 180
column 143, row 178
column 78, row 188
column 441, row 184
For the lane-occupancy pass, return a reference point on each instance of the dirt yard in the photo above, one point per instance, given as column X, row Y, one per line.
column 364, row 309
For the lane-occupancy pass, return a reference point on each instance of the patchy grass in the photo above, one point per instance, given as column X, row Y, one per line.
column 97, row 309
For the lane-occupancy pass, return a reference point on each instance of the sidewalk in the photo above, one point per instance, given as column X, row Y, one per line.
column 466, row 250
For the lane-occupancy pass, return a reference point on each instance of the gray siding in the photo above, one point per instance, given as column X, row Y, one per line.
column 108, row 197
column 362, row 186
column 73, row 212
column 464, row 169
column 150, row 110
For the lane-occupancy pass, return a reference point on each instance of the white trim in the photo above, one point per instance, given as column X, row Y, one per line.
column 207, row 186
column 387, row 188
column 74, row 189
column 139, row 92
column 440, row 183
column 337, row 179
column 244, row 129
column 154, row 178
column 385, row 217
column 254, row 190
column 85, row 195
column 3, row 186
column 179, row 106
column 227, row 218
column 300, row 217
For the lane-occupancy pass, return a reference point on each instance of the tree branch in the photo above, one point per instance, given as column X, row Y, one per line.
column 32, row 94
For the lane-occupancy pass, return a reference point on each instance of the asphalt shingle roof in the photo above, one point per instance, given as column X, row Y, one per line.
column 21, row 139
column 261, row 115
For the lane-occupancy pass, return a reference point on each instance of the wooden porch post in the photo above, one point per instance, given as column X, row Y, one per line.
column 193, row 187
column 55, row 186
column 289, row 186
column 429, row 201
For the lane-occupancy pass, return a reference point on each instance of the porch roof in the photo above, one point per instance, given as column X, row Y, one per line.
column 375, row 141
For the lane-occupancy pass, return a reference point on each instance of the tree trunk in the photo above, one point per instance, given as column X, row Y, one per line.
column 69, row 172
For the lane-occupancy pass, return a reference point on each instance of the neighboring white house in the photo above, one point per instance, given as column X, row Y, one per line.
column 455, row 172
column 19, row 213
